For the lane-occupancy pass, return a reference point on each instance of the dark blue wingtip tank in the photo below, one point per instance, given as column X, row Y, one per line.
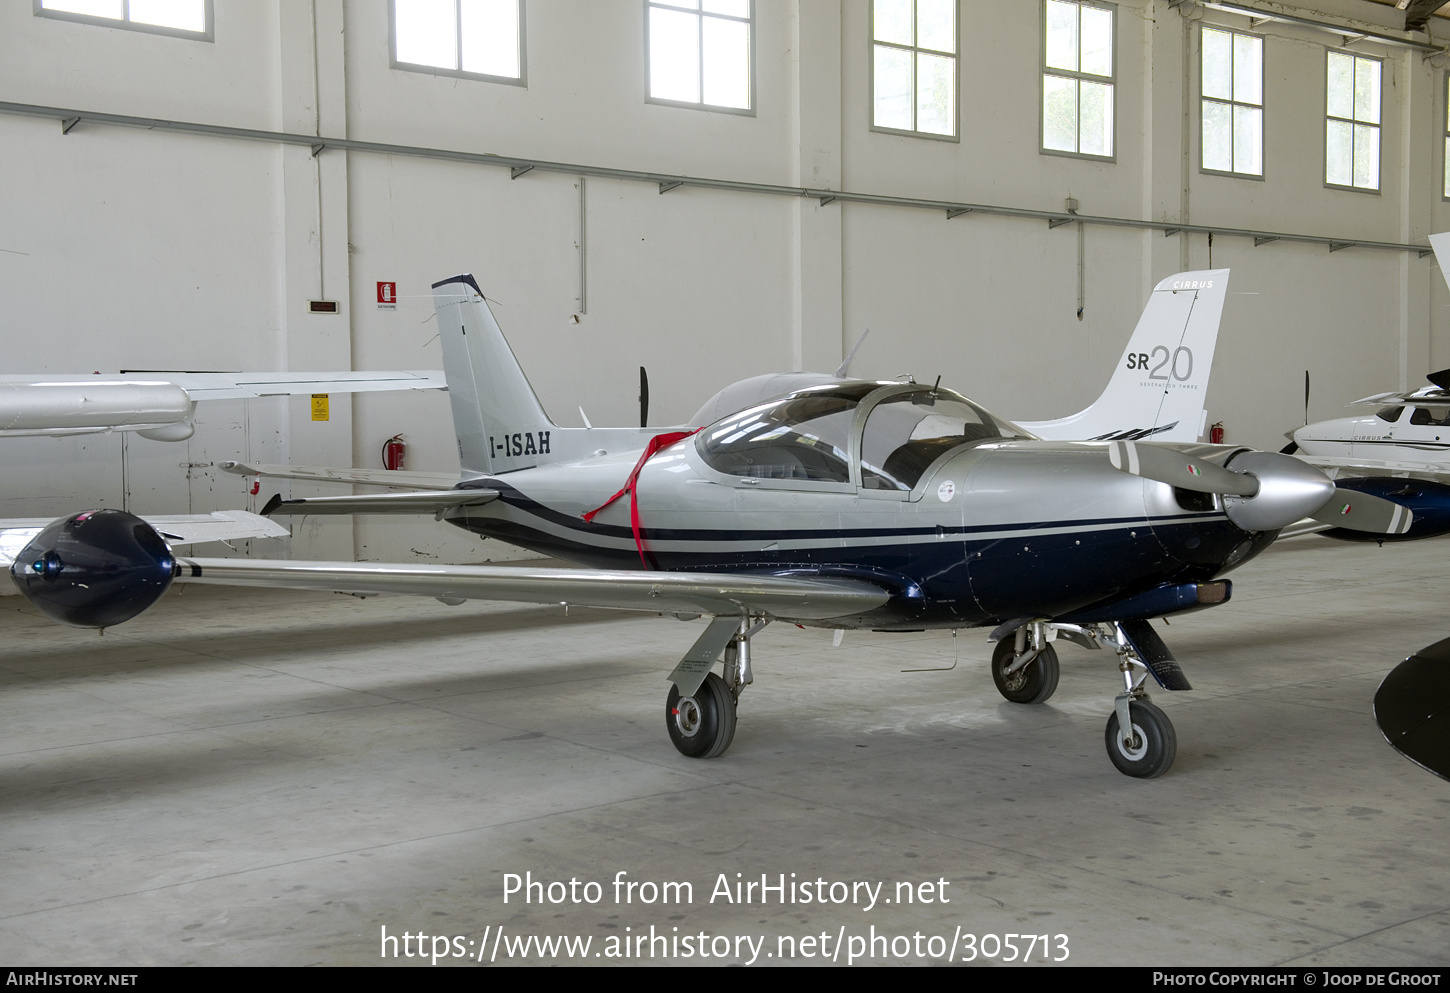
column 94, row 569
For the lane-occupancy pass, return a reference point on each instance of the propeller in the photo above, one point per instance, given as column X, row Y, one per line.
column 643, row 397
column 1349, row 509
column 1263, row 491
column 1167, row 465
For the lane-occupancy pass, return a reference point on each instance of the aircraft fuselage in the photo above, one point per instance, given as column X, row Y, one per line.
column 990, row 532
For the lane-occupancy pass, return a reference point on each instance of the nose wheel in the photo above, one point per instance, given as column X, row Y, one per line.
column 1149, row 748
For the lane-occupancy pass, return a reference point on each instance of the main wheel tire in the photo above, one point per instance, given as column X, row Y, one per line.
column 1154, row 744
column 1034, row 682
column 703, row 725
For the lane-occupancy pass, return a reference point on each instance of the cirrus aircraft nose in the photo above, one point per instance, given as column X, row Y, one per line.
column 1263, row 491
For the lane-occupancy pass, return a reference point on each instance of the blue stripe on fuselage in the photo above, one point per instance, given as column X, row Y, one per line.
column 1021, row 570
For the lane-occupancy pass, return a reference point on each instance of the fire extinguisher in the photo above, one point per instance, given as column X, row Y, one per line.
column 1215, row 433
column 395, row 449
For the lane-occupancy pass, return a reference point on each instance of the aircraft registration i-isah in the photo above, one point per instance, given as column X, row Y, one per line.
column 819, row 500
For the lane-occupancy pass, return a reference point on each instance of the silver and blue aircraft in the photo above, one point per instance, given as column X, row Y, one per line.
column 825, row 502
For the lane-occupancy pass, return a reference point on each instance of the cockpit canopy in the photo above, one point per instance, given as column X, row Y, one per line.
column 899, row 430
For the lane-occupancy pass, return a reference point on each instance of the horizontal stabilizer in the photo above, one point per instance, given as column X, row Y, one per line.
column 380, row 503
column 366, row 477
column 244, row 386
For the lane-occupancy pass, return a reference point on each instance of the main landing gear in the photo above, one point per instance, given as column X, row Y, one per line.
column 1025, row 666
column 1025, row 669
column 701, row 722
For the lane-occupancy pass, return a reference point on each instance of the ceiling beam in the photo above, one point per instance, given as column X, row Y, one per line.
column 1417, row 13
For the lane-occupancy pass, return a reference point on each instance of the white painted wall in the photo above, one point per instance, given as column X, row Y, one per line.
column 133, row 249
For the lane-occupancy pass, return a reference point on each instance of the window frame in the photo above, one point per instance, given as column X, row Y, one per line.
column 125, row 24
column 871, row 43
column 1263, row 113
column 522, row 79
column 1324, row 131
column 701, row 104
column 1445, row 136
column 1043, row 72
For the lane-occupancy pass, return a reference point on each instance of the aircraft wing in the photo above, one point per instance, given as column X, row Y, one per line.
column 177, row 529
column 161, row 405
column 1337, row 468
column 245, row 385
column 367, row 477
column 792, row 597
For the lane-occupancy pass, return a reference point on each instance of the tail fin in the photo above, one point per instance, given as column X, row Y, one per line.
column 1441, row 244
column 1160, row 385
column 500, row 423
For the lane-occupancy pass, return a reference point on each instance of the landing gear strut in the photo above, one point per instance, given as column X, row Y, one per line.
column 701, row 722
column 1140, row 738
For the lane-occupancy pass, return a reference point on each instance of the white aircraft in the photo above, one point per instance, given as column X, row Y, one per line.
column 1399, row 448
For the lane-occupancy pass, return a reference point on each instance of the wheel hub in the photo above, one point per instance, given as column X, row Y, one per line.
column 1018, row 679
column 1133, row 746
column 687, row 716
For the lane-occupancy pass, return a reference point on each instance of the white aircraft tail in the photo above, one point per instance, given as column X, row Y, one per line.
column 500, row 423
column 1160, row 385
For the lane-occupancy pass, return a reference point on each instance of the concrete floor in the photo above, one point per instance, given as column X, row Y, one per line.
column 254, row 777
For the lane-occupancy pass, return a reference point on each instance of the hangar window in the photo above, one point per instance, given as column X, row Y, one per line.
column 1352, row 126
column 1446, row 121
column 700, row 53
column 182, row 18
column 1233, row 103
column 914, row 67
column 1078, row 77
column 476, row 39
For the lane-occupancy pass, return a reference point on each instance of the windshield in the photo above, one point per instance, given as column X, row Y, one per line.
column 905, row 434
column 803, row 436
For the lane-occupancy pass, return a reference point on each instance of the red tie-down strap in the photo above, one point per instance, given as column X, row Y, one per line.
column 656, row 443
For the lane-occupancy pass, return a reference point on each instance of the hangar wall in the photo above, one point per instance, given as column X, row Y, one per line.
column 132, row 249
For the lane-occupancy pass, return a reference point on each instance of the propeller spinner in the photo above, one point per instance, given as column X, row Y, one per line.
column 1263, row 491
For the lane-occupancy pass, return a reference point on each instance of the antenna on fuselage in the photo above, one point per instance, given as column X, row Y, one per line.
column 840, row 372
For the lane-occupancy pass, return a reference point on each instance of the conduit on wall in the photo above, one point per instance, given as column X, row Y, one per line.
column 518, row 166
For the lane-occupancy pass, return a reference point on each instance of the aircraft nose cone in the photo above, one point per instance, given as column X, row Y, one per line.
column 1289, row 490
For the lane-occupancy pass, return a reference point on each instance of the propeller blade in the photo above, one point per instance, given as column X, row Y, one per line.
column 643, row 397
column 1166, row 465
column 1362, row 512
